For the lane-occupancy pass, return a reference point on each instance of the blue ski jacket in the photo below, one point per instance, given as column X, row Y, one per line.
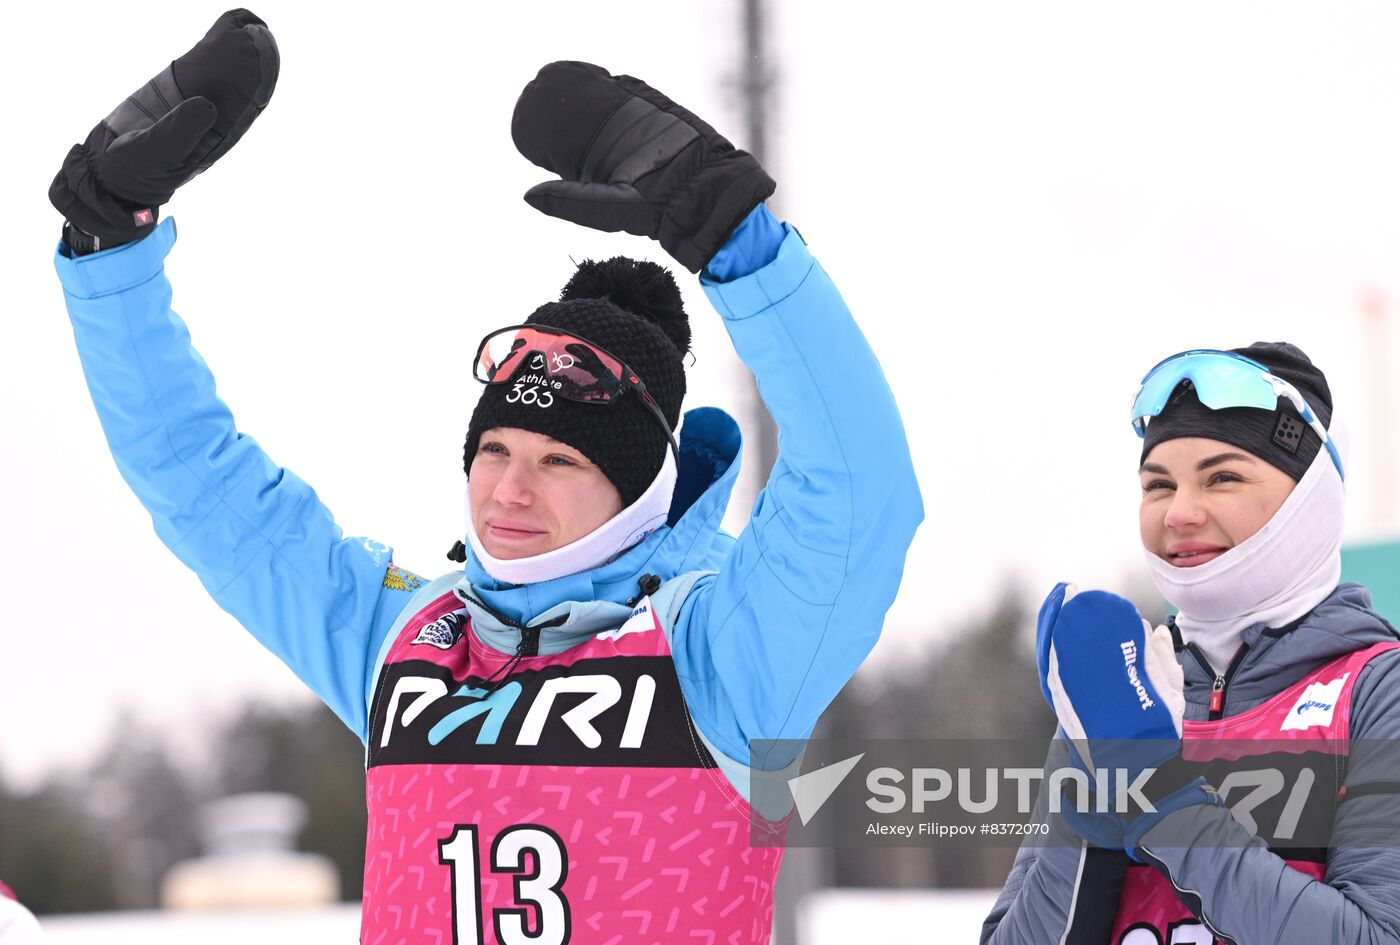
column 761, row 645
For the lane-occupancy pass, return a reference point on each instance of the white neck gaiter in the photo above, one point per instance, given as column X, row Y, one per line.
column 599, row 546
column 1277, row 575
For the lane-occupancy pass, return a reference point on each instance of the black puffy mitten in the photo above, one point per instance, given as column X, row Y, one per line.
column 111, row 186
column 633, row 160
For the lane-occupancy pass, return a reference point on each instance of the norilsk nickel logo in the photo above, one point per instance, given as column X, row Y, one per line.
column 443, row 632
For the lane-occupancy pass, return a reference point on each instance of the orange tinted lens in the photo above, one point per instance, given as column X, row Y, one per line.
column 587, row 372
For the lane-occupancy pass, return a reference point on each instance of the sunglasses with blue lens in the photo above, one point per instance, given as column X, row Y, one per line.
column 1223, row 379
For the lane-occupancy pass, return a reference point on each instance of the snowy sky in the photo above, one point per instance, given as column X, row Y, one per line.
column 1025, row 204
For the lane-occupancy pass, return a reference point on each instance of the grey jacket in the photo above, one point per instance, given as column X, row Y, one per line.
column 1065, row 894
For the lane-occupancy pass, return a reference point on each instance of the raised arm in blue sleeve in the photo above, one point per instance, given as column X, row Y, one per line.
column 764, row 646
column 255, row 534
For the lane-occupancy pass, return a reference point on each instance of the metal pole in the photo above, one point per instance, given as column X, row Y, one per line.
column 756, row 85
column 756, row 81
column 805, row 871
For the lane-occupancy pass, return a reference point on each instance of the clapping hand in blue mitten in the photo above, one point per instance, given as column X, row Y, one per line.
column 1116, row 688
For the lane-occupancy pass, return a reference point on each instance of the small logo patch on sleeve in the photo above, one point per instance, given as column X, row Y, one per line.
column 397, row 579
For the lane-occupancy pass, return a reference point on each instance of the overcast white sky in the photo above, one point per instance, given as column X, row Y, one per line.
column 1025, row 204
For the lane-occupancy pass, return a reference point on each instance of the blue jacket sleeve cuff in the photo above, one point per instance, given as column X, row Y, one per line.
column 753, row 245
column 117, row 269
column 755, row 292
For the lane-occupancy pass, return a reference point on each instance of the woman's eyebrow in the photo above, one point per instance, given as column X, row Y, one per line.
column 1219, row 458
column 1207, row 463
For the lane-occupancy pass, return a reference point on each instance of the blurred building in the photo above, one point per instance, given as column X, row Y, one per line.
column 250, row 860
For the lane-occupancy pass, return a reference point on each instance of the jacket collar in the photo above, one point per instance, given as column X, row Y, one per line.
column 594, row 600
column 1276, row 658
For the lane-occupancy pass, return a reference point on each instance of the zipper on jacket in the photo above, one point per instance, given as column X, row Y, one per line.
column 1217, row 697
column 1190, row 897
column 529, row 641
column 1222, row 680
column 529, row 644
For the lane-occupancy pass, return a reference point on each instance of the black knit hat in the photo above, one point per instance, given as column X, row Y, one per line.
column 633, row 310
column 1279, row 437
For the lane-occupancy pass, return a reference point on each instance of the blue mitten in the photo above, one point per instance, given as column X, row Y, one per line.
column 1108, row 675
column 1116, row 688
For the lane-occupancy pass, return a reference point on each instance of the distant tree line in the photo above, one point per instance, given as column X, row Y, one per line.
column 101, row 838
column 981, row 684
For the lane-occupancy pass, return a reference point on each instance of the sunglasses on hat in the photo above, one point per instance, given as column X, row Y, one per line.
column 568, row 366
column 1222, row 379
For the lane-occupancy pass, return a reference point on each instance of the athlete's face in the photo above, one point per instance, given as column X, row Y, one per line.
column 531, row 494
column 1202, row 497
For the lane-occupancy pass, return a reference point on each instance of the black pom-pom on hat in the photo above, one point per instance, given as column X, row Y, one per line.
column 633, row 310
column 637, row 286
